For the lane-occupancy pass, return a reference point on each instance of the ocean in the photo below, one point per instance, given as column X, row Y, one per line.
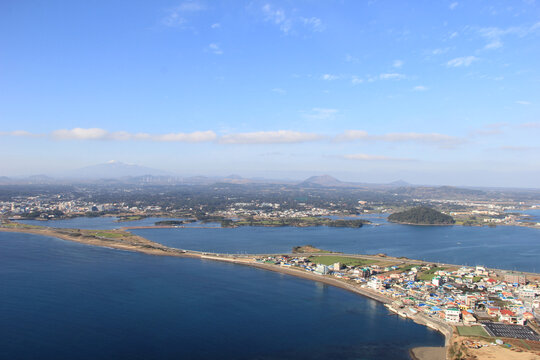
column 64, row 300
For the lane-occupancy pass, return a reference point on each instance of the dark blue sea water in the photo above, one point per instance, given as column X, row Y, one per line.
column 504, row 247
column 63, row 300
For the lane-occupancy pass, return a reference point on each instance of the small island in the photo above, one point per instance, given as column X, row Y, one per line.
column 421, row 216
column 295, row 222
column 309, row 249
column 174, row 222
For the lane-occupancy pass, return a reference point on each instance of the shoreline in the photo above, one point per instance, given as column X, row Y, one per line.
column 145, row 246
column 493, row 225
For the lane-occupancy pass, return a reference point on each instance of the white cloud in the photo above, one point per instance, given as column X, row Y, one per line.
column 434, row 138
column 392, row 76
column 495, row 44
column 259, row 137
column 321, row 114
column 356, row 80
column 351, row 135
column 352, row 59
column 19, row 133
column 215, row 26
column 453, row 5
column 278, row 17
column 440, row 51
column 490, row 129
column 270, row 137
column 215, row 49
column 494, row 35
column 176, row 16
column 461, row 61
column 420, row 88
column 329, row 77
column 425, row 138
column 368, row 157
column 523, row 102
column 101, row 134
column 80, row 134
column 285, row 22
column 519, row 148
column 279, row 91
column 531, row 125
column 194, row 137
column 313, row 23
column 397, row 64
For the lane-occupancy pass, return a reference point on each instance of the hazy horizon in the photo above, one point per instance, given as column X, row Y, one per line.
column 293, row 177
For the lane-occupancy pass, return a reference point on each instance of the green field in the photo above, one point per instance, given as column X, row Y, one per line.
column 130, row 218
column 428, row 274
column 407, row 268
column 109, row 235
column 329, row 260
column 20, row 225
column 472, row 331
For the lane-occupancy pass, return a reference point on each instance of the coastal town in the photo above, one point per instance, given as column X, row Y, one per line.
column 478, row 309
column 59, row 205
column 464, row 301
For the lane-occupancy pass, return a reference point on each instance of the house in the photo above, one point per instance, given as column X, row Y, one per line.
column 467, row 317
column 452, row 315
column 321, row 269
column 515, row 278
column 507, row 316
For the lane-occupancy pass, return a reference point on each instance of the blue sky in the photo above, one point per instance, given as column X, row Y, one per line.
column 432, row 92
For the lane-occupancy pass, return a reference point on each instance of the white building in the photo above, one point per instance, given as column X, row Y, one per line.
column 452, row 315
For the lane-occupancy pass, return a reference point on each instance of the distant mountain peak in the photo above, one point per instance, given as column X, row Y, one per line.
column 322, row 180
column 399, row 182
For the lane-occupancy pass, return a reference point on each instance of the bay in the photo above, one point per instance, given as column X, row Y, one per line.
column 63, row 300
column 504, row 247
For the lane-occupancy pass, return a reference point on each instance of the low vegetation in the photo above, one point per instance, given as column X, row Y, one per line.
column 428, row 275
column 297, row 222
column 130, row 218
column 471, row 331
column 174, row 222
column 349, row 261
column 421, row 216
column 308, row 249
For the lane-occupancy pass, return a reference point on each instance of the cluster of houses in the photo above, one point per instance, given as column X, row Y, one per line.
column 272, row 211
column 463, row 295
column 49, row 206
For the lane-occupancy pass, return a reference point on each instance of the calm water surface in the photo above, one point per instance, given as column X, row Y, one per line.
column 505, row 247
column 105, row 223
column 63, row 300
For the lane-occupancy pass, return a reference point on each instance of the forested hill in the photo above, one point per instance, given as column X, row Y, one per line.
column 421, row 216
